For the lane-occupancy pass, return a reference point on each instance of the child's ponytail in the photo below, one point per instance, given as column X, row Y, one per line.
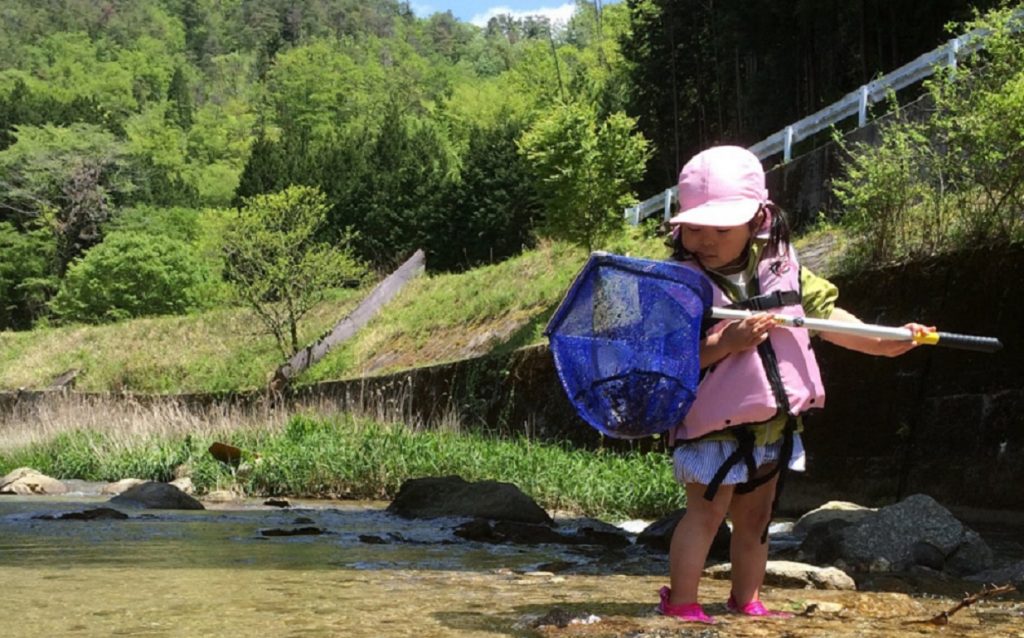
column 778, row 229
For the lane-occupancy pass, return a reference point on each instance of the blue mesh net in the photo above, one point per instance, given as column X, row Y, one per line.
column 626, row 343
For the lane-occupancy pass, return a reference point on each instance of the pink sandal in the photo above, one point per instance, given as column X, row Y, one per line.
column 754, row 608
column 686, row 612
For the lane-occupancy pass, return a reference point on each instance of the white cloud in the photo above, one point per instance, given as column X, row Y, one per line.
column 557, row 15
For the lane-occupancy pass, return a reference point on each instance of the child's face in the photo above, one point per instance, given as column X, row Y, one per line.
column 716, row 247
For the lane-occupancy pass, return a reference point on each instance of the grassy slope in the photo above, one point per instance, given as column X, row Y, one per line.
column 435, row 319
column 219, row 350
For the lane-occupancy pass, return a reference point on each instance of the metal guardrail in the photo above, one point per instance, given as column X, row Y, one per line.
column 853, row 103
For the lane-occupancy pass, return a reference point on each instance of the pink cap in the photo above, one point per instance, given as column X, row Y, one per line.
column 722, row 186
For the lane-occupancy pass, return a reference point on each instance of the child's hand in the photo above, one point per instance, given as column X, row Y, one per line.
column 890, row 348
column 747, row 333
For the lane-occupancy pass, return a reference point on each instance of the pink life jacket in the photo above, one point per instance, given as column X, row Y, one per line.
column 753, row 386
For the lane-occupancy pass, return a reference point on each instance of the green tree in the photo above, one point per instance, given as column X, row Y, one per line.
column 585, row 171
column 132, row 275
column 25, row 279
column 179, row 95
column 492, row 211
column 277, row 264
column 67, row 178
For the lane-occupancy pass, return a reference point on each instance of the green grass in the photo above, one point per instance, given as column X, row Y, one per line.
column 448, row 317
column 434, row 319
column 348, row 457
column 214, row 351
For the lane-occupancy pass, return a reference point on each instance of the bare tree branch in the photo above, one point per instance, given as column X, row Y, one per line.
column 987, row 591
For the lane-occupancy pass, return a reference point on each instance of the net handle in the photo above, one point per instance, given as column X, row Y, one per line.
column 946, row 339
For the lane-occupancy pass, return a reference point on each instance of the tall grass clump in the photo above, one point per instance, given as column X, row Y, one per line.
column 953, row 178
column 344, row 456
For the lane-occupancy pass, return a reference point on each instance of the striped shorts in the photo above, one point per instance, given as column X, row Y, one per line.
column 697, row 462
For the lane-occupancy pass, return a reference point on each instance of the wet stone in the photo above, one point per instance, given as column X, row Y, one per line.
column 95, row 514
column 295, row 531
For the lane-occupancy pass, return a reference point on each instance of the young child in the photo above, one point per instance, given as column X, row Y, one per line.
column 757, row 377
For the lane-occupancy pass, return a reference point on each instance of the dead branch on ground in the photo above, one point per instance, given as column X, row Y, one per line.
column 987, row 591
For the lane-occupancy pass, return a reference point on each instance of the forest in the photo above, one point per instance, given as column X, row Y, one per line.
column 170, row 156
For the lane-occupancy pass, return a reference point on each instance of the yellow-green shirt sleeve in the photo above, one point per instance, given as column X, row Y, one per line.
column 819, row 295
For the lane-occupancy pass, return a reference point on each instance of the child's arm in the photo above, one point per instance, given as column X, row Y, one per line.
column 870, row 345
column 735, row 337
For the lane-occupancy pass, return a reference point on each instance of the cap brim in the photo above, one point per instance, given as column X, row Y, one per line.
column 725, row 212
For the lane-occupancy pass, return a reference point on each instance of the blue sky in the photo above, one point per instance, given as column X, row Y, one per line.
column 479, row 11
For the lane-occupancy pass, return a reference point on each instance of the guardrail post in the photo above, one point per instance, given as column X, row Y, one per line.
column 787, row 144
column 862, row 108
column 668, row 204
column 954, row 49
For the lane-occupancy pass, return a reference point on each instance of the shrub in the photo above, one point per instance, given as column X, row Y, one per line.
column 132, row 274
column 954, row 178
column 279, row 267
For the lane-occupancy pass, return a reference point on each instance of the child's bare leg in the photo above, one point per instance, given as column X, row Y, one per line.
column 692, row 540
column 750, row 514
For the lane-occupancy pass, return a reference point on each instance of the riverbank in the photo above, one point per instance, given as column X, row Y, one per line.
column 325, row 454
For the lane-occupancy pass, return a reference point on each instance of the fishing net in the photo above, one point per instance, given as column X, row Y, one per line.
column 626, row 343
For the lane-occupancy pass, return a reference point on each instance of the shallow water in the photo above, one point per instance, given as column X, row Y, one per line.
column 212, row 573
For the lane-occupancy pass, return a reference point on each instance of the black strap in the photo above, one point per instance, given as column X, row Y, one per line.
column 769, row 300
column 745, row 451
column 785, row 455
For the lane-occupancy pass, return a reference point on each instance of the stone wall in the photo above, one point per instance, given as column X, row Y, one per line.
column 949, row 423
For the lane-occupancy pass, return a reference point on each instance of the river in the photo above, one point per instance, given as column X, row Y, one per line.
column 370, row 574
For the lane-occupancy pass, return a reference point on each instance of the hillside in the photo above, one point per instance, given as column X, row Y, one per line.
column 437, row 318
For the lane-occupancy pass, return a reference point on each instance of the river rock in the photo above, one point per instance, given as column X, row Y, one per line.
column 160, row 496
column 917, row 528
column 1010, row 574
column 223, row 496
column 833, row 510
column 121, row 486
column 185, row 485
column 658, row 536
column 591, row 531
column 821, row 545
column 485, row 531
column 94, row 514
column 433, row 497
column 293, row 531
column 26, row 481
column 784, row 573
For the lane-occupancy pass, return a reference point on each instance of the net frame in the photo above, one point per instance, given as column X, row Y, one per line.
column 626, row 343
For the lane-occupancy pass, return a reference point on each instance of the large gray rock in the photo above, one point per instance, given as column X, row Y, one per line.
column 833, row 510
column 435, row 497
column 972, row 556
column 821, row 545
column 897, row 536
column 1009, row 575
column 26, row 481
column 658, row 535
column 158, row 496
column 119, row 487
column 784, row 573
